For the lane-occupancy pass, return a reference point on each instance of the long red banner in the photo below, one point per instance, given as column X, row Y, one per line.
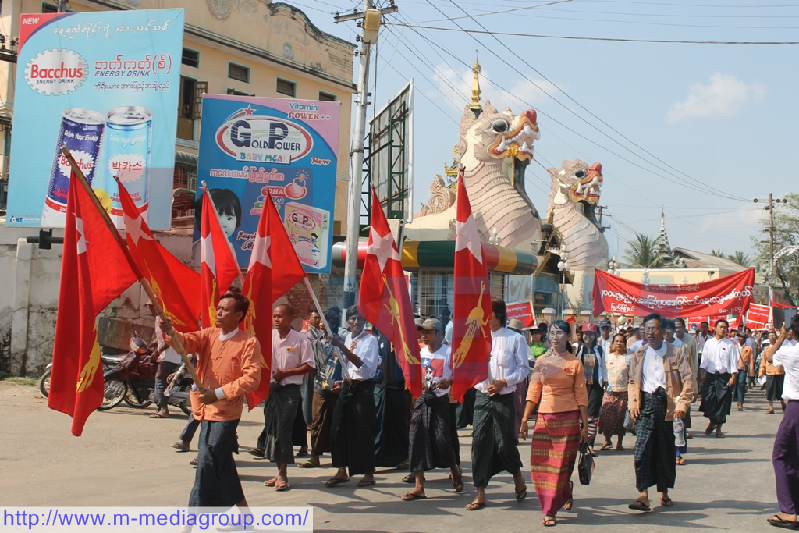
column 730, row 294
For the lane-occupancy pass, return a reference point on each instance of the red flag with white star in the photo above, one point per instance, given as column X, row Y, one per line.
column 94, row 271
column 384, row 300
column 263, row 285
column 175, row 284
column 471, row 334
column 218, row 266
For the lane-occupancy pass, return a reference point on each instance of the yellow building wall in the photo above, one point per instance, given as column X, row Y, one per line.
column 672, row 276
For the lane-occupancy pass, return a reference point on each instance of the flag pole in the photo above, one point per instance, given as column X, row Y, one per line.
column 318, row 307
column 144, row 282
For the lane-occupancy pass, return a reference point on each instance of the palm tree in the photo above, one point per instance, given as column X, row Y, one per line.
column 740, row 258
column 642, row 252
column 717, row 253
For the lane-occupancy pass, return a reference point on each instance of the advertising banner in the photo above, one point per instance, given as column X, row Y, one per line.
column 522, row 311
column 727, row 295
column 105, row 85
column 252, row 146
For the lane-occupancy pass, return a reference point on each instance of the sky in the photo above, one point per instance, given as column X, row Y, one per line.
column 698, row 130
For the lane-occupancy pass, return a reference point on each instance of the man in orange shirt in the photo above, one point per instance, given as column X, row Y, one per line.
column 746, row 368
column 229, row 365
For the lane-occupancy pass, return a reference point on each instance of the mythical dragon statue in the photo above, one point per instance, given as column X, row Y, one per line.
column 573, row 200
column 495, row 148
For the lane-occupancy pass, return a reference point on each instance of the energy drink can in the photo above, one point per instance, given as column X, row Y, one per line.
column 81, row 132
column 128, row 146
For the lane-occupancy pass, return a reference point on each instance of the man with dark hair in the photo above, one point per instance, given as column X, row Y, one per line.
column 292, row 358
column 702, row 337
column 495, row 433
column 785, row 456
column 229, row 366
column 746, row 367
column 717, row 373
column 659, row 390
column 352, row 434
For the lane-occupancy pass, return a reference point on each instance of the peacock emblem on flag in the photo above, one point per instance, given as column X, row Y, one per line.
column 474, row 323
column 394, row 310
column 89, row 370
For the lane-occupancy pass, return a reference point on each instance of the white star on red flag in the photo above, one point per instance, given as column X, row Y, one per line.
column 382, row 247
column 133, row 227
column 467, row 236
column 81, row 243
column 260, row 251
column 207, row 255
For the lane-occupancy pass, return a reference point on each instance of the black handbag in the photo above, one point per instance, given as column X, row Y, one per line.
column 585, row 465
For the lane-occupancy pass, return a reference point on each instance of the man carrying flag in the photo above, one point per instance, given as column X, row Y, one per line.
column 94, row 271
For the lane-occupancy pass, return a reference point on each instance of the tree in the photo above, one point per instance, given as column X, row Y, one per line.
column 717, row 253
column 642, row 252
column 740, row 258
column 786, row 234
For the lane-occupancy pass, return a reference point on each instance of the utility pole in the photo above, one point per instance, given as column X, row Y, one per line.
column 370, row 22
column 771, row 230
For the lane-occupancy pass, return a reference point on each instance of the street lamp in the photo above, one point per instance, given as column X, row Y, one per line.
column 612, row 265
column 563, row 267
column 645, row 278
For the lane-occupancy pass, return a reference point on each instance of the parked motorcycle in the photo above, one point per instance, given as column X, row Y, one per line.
column 110, row 357
column 132, row 381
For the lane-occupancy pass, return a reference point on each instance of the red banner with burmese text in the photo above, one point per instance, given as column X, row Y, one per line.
column 522, row 311
column 730, row 294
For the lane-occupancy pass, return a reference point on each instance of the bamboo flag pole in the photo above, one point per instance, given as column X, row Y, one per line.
column 144, row 282
column 318, row 307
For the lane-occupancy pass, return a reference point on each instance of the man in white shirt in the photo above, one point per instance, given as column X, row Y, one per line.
column 352, row 435
column 605, row 328
column 785, row 456
column 292, row 358
column 494, row 437
column 430, row 442
column 702, row 337
column 718, row 371
column 168, row 362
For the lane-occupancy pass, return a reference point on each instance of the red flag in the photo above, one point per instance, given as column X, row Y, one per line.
column 175, row 284
column 94, row 271
column 384, row 299
column 218, row 266
column 282, row 253
column 471, row 334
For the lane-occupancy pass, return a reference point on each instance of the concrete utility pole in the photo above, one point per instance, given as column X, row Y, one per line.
column 771, row 230
column 370, row 17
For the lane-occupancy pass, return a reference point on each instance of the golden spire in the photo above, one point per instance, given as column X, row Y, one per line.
column 476, row 87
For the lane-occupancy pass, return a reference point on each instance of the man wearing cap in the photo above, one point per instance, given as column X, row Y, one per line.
column 636, row 340
column 592, row 356
column 168, row 362
column 430, row 436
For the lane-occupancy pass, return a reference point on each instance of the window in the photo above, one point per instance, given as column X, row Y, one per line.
column 48, row 7
column 238, row 72
column 289, row 88
column 326, row 97
column 191, row 58
column 190, row 103
column 230, row 90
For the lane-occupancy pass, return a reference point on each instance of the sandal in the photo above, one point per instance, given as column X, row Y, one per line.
column 570, row 502
column 309, row 464
column 776, row 521
column 606, row 446
column 638, row 505
column 720, row 435
column 521, row 494
column 336, row 481
column 159, row 415
column 366, row 482
column 619, row 448
column 710, row 429
column 549, row 521
column 666, row 502
column 770, row 412
column 680, row 461
column 457, row 485
column 413, row 495
column 271, row 482
column 476, row 506
column 257, row 452
column 282, row 486
column 410, row 478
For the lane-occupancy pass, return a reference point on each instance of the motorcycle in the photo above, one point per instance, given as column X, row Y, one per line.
column 133, row 379
column 110, row 358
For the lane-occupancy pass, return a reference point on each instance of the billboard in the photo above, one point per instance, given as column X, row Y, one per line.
column 251, row 147
column 105, row 85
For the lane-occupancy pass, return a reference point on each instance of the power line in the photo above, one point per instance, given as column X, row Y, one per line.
column 603, row 39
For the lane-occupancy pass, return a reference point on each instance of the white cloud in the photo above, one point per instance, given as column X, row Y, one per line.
column 724, row 96
column 457, row 88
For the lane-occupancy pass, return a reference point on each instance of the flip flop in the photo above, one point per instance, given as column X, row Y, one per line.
column 257, row 452
column 414, row 496
column 158, row 415
column 776, row 521
column 366, row 482
column 475, row 506
column 720, row 435
column 336, row 481
column 309, row 464
column 570, row 502
column 667, row 502
column 549, row 521
column 282, row 486
column 638, row 505
column 271, row 482
column 521, row 494
column 410, row 478
column 606, row 446
column 710, row 429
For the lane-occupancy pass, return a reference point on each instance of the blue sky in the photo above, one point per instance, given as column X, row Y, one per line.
column 719, row 117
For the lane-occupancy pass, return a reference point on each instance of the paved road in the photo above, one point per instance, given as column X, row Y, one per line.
column 124, row 458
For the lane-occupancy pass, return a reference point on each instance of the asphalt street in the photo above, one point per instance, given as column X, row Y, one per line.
column 125, row 458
